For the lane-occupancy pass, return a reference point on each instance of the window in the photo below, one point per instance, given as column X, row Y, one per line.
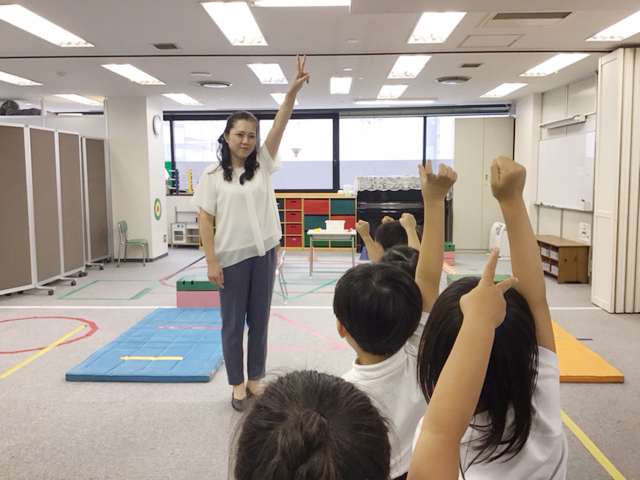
column 440, row 141
column 195, row 146
column 306, row 150
column 372, row 146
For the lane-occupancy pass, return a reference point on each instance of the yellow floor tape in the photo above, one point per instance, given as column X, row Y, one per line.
column 42, row 352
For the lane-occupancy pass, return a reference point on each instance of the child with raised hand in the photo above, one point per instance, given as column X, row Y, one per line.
column 389, row 233
column 452, row 403
column 381, row 311
column 517, row 430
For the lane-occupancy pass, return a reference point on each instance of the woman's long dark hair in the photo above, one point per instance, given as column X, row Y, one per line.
column 224, row 155
column 511, row 375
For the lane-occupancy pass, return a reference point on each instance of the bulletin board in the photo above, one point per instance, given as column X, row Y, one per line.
column 566, row 171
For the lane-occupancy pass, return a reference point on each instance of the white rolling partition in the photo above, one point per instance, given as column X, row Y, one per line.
column 17, row 242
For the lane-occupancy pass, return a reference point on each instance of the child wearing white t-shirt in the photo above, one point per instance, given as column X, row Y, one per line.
column 381, row 311
column 513, row 420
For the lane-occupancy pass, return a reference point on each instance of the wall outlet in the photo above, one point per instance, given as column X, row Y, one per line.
column 164, row 237
column 584, row 232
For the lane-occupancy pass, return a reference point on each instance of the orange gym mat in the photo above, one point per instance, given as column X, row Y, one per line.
column 579, row 364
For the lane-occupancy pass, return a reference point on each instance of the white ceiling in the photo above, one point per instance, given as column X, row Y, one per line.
column 123, row 31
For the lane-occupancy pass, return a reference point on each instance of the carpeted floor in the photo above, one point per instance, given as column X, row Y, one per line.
column 53, row 429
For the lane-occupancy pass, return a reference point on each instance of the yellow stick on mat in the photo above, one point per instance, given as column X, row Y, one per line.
column 42, row 352
column 150, row 358
column 595, row 451
column 579, row 364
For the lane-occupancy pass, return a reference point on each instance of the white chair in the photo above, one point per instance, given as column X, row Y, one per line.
column 280, row 275
column 124, row 241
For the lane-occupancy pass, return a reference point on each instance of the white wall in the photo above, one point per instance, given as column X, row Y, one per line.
column 578, row 97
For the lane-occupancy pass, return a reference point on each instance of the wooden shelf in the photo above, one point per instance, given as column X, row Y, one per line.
column 566, row 260
column 302, row 212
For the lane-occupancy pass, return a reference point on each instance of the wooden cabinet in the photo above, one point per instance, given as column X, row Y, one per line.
column 301, row 212
column 565, row 259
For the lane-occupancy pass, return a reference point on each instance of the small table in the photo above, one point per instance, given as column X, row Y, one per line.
column 322, row 235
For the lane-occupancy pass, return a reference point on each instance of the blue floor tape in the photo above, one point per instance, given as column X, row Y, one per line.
column 190, row 333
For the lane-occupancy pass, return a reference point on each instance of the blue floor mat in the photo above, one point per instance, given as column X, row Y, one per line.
column 190, row 333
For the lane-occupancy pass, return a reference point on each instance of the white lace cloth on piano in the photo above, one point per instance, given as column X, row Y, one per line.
column 392, row 182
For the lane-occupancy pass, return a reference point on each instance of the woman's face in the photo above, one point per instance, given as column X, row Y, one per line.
column 241, row 139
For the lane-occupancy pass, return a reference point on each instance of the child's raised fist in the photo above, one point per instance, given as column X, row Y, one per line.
column 362, row 228
column 436, row 186
column 507, row 178
column 408, row 221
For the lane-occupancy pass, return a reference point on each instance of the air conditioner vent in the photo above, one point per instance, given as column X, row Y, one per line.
column 531, row 16
column 166, row 46
column 525, row 19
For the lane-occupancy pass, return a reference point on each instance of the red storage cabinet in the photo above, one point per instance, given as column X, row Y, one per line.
column 293, row 204
column 316, row 206
column 293, row 229
column 293, row 216
column 295, row 241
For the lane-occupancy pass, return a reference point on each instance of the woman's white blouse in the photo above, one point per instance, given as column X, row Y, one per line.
column 246, row 216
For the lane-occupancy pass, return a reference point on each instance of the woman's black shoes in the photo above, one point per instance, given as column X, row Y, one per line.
column 238, row 404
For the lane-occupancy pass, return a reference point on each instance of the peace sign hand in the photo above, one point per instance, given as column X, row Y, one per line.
column 486, row 302
column 300, row 76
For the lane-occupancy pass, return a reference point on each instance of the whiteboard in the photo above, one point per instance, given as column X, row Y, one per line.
column 566, row 170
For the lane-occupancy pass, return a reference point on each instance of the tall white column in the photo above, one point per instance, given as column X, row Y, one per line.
column 137, row 171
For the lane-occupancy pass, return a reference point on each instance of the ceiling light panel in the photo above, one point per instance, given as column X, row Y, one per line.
column 554, row 64
column 625, row 28
column 236, row 22
column 41, row 27
column 268, row 73
column 391, row 92
column 23, row 82
column 301, row 3
column 134, row 74
column 503, row 90
column 279, row 98
column 79, row 99
column 408, row 66
column 182, row 98
column 340, row 85
column 435, row 27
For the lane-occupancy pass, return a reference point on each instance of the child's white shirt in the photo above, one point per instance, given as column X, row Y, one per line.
column 393, row 388
column 247, row 218
column 544, row 455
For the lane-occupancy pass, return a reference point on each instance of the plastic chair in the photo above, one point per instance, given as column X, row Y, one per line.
column 280, row 275
column 124, row 241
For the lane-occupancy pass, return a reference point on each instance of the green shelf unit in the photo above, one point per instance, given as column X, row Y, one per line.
column 314, row 221
column 346, row 206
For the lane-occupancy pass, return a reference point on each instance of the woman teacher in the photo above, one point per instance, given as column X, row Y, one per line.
column 241, row 258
